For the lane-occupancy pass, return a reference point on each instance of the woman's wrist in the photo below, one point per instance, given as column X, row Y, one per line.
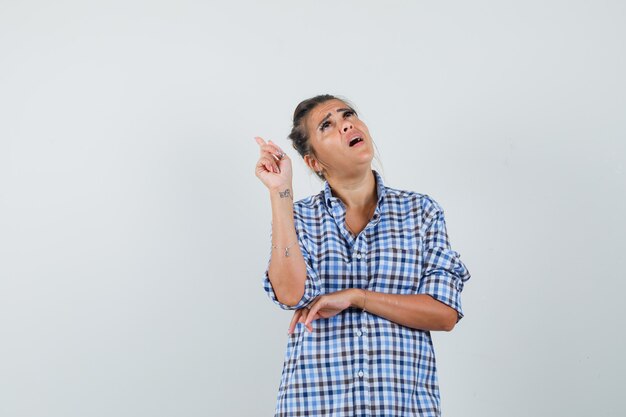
column 282, row 189
column 281, row 196
column 358, row 298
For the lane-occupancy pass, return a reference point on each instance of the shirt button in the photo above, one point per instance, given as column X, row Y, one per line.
column 359, row 333
column 361, row 374
column 358, row 256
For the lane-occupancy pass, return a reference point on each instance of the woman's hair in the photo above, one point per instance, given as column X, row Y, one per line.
column 299, row 135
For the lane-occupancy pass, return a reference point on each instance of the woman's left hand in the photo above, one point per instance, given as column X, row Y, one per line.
column 324, row 306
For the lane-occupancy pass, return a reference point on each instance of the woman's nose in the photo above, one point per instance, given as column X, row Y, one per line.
column 347, row 125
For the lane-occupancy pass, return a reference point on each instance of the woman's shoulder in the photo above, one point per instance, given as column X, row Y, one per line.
column 415, row 196
column 425, row 202
column 309, row 202
column 310, row 206
column 420, row 207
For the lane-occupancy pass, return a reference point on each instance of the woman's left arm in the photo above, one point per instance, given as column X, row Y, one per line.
column 418, row 311
column 436, row 304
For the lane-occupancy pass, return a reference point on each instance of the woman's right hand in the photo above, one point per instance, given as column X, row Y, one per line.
column 272, row 169
column 299, row 316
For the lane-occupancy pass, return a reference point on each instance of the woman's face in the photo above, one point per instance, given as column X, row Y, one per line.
column 332, row 128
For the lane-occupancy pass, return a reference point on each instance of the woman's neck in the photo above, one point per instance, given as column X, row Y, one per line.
column 358, row 192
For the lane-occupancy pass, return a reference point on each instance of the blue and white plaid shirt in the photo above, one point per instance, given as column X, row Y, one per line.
column 357, row 363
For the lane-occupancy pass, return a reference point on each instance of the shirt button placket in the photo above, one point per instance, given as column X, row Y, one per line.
column 362, row 336
column 363, row 339
column 363, row 360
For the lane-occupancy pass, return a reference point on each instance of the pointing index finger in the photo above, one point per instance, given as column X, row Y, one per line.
column 276, row 146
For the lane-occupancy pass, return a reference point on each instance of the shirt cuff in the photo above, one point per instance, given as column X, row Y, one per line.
column 311, row 286
column 444, row 288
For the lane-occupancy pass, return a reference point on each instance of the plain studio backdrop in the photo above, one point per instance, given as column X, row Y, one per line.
column 134, row 234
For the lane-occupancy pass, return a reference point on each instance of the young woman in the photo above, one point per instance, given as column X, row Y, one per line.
column 367, row 268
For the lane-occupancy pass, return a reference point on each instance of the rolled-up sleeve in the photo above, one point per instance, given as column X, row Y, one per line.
column 311, row 285
column 444, row 274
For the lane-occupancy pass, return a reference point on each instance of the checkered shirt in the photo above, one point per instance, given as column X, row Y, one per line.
column 357, row 363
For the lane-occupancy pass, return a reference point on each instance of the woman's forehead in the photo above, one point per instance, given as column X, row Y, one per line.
column 330, row 106
column 322, row 110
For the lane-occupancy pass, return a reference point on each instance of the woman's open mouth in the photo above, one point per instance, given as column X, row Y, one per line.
column 356, row 141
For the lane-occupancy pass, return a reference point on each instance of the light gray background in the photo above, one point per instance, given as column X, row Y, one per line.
column 134, row 234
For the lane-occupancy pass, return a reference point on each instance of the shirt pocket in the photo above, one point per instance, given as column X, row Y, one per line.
column 394, row 265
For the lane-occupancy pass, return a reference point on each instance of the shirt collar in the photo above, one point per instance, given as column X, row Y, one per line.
column 331, row 200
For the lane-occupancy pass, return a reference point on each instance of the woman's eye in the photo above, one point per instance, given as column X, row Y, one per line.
column 347, row 113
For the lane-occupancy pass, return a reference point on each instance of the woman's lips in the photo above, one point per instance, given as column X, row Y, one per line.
column 359, row 143
column 353, row 135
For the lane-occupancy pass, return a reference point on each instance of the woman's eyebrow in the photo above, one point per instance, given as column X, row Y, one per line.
column 346, row 109
column 338, row 111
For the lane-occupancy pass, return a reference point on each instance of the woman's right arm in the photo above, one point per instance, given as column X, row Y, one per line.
column 287, row 274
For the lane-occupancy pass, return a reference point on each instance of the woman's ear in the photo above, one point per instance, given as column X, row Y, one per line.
column 312, row 163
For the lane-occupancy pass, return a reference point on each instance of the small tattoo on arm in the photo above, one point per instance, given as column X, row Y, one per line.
column 285, row 194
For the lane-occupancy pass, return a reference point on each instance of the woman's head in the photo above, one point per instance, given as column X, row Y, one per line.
column 324, row 133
